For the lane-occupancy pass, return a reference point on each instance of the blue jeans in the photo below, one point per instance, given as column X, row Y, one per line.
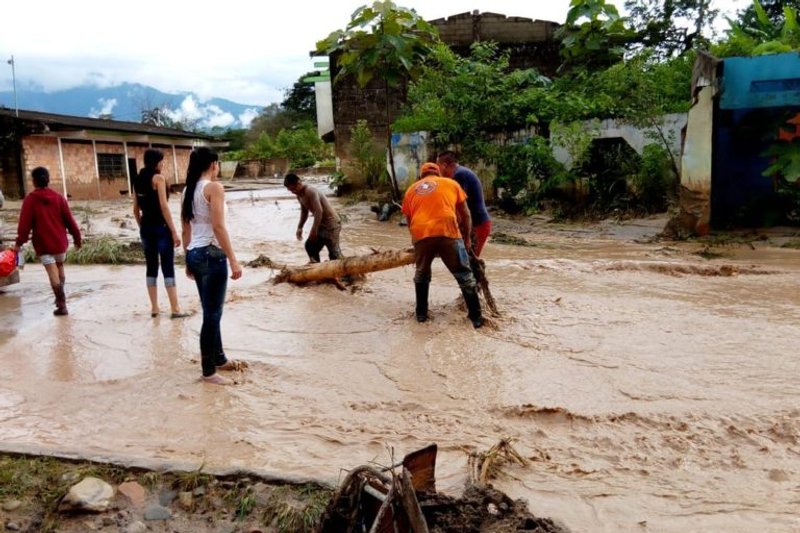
column 209, row 267
column 157, row 243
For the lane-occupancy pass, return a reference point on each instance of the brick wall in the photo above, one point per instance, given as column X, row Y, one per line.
column 531, row 44
column 41, row 152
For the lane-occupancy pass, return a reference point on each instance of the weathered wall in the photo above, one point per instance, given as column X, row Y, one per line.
column 80, row 167
column 671, row 126
column 42, row 152
column 696, row 165
column 530, row 42
column 259, row 168
column 410, row 151
column 80, row 170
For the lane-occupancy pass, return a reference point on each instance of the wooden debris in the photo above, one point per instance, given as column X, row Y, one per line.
column 484, row 466
column 349, row 266
column 382, row 499
column 478, row 266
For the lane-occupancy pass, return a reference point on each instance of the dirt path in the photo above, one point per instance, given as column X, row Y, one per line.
column 652, row 389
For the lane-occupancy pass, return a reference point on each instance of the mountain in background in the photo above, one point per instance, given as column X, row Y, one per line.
column 127, row 102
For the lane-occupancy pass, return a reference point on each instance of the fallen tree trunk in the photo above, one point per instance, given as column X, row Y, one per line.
column 349, row 266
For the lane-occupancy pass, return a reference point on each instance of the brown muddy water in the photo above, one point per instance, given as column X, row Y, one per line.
column 652, row 389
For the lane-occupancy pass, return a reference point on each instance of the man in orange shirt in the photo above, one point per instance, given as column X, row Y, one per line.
column 438, row 217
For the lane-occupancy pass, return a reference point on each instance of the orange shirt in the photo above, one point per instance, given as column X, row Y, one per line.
column 430, row 206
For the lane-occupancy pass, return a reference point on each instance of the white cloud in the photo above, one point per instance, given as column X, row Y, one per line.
column 247, row 117
column 193, row 110
column 106, row 107
column 242, row 62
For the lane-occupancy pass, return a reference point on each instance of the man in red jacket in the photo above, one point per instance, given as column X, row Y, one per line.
column 47, row 214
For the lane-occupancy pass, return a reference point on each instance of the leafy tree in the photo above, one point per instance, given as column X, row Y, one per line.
column 463, row 101
column 594, row 36
column 773, row 9
column 671, row 27
column 762, row 35
column 300, row 99
column 271, row 121
column 385, row 42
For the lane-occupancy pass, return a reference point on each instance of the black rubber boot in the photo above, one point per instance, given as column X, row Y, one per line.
column 422, row 300
column 473, row 306
column 61, row 300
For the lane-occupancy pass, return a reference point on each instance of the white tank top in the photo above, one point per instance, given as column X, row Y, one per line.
column 202, row 230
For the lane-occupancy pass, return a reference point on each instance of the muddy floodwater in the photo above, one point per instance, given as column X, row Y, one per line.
column 652, row 389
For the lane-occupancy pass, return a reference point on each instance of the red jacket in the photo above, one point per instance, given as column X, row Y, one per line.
column 47, row 213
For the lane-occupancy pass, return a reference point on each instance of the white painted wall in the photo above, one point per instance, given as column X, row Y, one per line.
column 637, row 138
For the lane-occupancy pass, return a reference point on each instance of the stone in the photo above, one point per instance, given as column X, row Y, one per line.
column 199, row 491
column 11, row 526
column 186, row 500
column 11, row 505
column 70, row 477
column 133, row 492
column 90, row 495
column 135, row 527
column 156, row 512
column 166, row 497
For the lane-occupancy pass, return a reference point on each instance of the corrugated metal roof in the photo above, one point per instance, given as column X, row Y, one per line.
column 68, row 122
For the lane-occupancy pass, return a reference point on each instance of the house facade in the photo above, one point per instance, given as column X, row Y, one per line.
column 88, row 158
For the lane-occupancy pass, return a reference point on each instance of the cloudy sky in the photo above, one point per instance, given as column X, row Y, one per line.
column 248, row 52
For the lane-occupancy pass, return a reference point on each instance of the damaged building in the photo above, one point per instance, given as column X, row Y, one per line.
column 531, row 44
column 743, row 108
column 88, row 158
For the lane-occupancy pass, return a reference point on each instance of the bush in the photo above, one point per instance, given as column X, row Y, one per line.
column 369, row 155
column 654, row 184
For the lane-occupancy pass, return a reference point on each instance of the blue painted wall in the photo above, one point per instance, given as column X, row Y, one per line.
column 762, row 81
column 758, row 94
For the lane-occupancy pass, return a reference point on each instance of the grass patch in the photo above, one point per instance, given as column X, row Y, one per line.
column 103, row 250
column 296, row 509
column 513, row 240
column 106, row 250
column 39, row 484
column 793, row 244
column 708, row 254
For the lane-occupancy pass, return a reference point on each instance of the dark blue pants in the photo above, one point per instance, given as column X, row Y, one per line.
column 157, row 243
column 209, row 266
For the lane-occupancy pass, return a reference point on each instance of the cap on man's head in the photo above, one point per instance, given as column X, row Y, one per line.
column 428, row 169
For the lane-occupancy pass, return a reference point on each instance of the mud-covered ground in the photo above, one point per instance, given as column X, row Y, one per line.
column 651, row 385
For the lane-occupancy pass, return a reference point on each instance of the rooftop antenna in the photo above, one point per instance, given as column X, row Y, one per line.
column 14, row 83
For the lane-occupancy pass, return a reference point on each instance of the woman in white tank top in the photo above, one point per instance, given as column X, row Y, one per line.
column 208, row 254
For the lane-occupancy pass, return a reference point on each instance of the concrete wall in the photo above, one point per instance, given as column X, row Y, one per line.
column 323, row 93
column 410, row 151
column 635, row 136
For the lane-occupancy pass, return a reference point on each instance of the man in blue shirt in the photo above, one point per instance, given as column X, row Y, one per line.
column 481, row 222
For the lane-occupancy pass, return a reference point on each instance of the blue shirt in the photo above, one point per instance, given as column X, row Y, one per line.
column 472, row 186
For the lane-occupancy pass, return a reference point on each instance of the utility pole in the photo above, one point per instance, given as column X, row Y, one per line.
column 14, row 83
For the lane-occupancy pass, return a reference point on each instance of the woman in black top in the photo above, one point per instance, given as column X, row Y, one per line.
column 159, row 237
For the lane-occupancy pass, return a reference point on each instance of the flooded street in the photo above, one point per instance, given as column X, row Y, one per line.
column 652, row 389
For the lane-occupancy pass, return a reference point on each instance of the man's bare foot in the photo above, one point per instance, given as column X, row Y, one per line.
column 216, row 379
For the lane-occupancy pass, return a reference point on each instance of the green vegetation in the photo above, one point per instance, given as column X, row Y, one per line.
column 383, row 42
column 369, row 156
column 103, row 250
column 106, row 250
